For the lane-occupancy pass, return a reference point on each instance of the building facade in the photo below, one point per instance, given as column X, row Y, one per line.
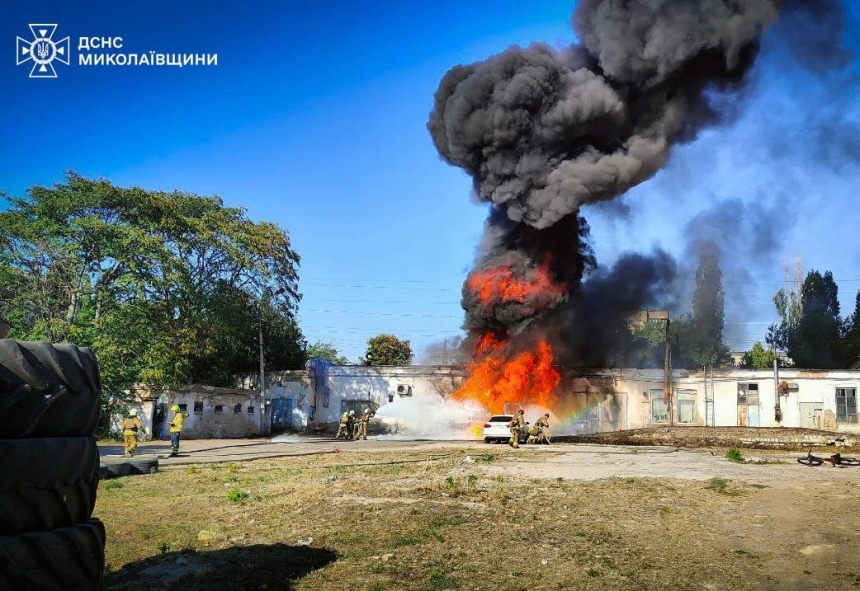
column 312, row 400
column 633, row 399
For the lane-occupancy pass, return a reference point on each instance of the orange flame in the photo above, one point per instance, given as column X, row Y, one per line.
column 528, row 378
column 500, row 284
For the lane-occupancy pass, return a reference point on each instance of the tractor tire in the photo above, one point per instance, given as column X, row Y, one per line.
column 46, row 483
column 64, row 558
column 47, row 390
column 111, row 468
column 145, row 465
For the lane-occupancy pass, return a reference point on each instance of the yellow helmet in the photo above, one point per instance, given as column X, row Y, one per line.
column 132, row 412
column 175, row 408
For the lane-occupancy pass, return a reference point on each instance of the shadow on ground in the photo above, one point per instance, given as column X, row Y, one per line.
column 276, row 566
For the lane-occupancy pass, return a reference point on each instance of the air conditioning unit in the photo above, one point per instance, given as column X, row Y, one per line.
column 404, row 390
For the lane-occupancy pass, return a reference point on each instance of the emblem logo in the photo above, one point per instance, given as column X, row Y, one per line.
column 43, row 50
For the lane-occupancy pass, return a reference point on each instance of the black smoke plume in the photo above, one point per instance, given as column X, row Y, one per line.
column 544, row 132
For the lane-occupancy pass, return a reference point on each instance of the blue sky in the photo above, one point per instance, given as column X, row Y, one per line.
column 314, row 118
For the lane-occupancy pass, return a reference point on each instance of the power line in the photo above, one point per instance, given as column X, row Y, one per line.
column 423, row 303
column 358, row 285
column 379, row 313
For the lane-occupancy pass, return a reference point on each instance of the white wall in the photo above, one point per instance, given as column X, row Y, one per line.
column 377, row 384
column 812, row 386
column 208, row 423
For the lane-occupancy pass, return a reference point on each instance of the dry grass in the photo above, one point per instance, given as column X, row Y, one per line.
column 388, row 522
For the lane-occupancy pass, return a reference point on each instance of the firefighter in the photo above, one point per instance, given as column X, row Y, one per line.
column 516, row 426
column 543, row 424
column 534, row 434
column 343, row 425
column 130, row 426
column 352, row 425
column 361, row 433
column 347, row 425
column 176, row 428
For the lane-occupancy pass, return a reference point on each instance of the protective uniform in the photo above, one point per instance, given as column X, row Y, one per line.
column 347, row 419
column 361, row 433
column 130, row 426
column 516, row 426
column 543, row 424
column 342, row 426
column 176, row 428
column 534, row 434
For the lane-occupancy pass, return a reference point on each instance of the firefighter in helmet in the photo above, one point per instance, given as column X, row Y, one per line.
column 362, row 424
column 517, row 425
column 130, row 427
column 543, row 424
column 176, row 424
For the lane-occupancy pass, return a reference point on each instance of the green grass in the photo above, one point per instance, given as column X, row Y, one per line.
column 238, row 496
column 721, row 486
column 113, row 484
column 734, row 455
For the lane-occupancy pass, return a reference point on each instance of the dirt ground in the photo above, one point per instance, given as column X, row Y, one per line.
column 473, row 516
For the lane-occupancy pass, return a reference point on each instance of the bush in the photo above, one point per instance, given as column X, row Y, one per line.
column 238, row 496
column 734, row 455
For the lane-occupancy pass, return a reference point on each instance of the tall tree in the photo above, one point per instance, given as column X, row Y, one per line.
column 850, row 350
column 708, row 315
column 165, row 287
column 788, row 304
column 387, row 349
column 814, row 342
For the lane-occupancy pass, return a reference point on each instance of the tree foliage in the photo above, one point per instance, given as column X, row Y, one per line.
column 387, row 349
column 697, row 338
column 850, row 349
column 812, row 333
column 327, row 352
column 166, row 287
column 758, row 357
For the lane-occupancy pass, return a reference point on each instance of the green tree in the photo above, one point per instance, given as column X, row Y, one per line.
column 758, row 357
column 166, row 288
column 815, row 340
column 327, row 352
column 647, row 347
column 850, row 350
column 387, row 349
column 699, row 336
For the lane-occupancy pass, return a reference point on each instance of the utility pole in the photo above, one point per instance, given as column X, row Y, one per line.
column 667, row 392
column 445, row 352
column 705, row 378
column 777, row 408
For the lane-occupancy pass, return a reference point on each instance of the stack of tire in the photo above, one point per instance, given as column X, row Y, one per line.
column 49, row 462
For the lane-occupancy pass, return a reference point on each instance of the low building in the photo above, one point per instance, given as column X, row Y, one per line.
column 632, row 399
column 594, row 401
column 212, row 413
column 339, row 388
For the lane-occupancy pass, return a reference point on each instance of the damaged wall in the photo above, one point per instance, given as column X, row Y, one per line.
column 633, row 399
column 287, row 396
column 215, row 412
column 335, row 388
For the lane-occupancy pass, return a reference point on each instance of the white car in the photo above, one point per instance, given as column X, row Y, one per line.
column 496, row 429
